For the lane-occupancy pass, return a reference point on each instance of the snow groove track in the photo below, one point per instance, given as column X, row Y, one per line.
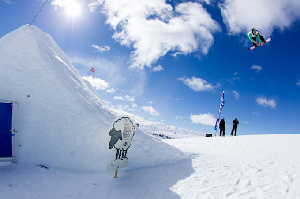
column 260, row 166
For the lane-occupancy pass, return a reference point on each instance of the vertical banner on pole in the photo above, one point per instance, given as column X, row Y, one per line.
column 221, row 106
column 121, row 135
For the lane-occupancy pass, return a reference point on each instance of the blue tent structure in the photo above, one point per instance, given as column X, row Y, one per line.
column 7, row 130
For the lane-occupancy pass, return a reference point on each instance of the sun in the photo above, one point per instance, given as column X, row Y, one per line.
column 73, row 9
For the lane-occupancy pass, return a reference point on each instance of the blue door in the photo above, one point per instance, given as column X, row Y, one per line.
column 5, row 130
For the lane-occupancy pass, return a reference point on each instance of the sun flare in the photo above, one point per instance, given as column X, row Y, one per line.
column 73, row 9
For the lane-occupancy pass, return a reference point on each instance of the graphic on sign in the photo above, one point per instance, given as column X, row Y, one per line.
column 121, row 136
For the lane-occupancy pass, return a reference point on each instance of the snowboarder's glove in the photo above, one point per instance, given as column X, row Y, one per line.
column 255, row 42
column 261, row 43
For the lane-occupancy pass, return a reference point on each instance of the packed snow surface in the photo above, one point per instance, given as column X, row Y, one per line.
column 61, row 121
column 252, row 166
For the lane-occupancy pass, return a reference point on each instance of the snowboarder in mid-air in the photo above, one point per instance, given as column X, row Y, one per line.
column 254, row 36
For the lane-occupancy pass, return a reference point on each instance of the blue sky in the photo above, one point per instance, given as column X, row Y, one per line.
column 169, row 61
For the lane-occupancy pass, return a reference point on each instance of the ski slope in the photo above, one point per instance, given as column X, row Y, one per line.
column 252, row 166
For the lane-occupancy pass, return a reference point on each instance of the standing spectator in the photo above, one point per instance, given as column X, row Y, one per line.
column 235, row 123
column 222, row 127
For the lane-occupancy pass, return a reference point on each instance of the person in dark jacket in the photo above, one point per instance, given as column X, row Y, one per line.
column 235, row 123
column 222, row 127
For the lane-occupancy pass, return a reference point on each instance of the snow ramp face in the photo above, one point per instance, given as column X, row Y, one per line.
column 60, row 119
column 61, row 122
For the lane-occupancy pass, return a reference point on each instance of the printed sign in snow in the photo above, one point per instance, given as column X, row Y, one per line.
column 121, row 136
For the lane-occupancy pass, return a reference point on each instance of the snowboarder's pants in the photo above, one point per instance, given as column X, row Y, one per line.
column 223, row 132
column 234, row 129
column 261, row 38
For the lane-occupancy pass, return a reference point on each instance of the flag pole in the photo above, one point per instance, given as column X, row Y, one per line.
column 221, row 106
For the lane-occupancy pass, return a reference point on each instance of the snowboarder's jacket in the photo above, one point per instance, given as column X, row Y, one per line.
column 235, row 123
column 251, row 36
column 222, row 124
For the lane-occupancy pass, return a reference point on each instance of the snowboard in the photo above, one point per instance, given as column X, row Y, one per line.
column 253, row 47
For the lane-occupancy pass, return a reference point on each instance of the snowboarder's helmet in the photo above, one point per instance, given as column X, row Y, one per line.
column 254, row 30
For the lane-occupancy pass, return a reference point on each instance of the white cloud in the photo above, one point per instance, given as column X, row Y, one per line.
column 298, row 82
column 206, row 1
column 241, row 16
column 122, row 108
column 205, row 119
column 197, row 84
column 120, row 98
column 236, row 95
column 150, row 126
column 61, row 3
column 150, row 102
column 153, row 28
column 179, row 117
column 111, row 90
column 157, row 68
column 97, row 83
column 100, row 48
column 150, row 110
column 134, row 105
column 114, row 70
column 7, row 1
column 246, row 122
column 128, row 98
column 255, row 113
column 266, row 102
column 95, row 4
column 257, row 68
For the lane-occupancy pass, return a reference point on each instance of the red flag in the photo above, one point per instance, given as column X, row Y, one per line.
column 92, row 69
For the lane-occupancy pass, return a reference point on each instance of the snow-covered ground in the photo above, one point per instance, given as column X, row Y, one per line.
column 63, row 124
column 253, row 166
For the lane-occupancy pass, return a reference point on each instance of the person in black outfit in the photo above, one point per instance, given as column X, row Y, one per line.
column 222, row 127
column 235, row 123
